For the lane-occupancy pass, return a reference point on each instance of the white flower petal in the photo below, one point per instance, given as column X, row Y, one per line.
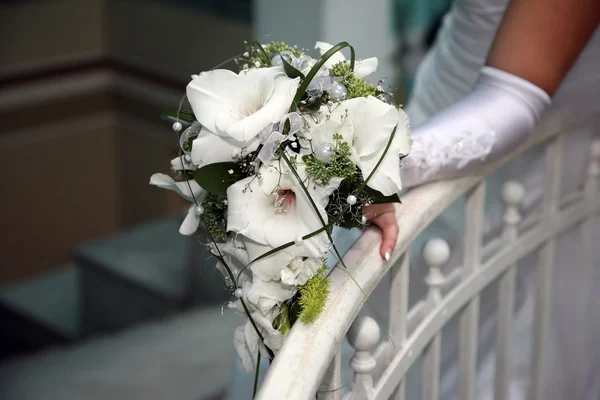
column 297, row 274
column 248, row 209
column 271, row 111
column 189, row 190
column 245, row 353
column 273, row 291
column 190, row 223
column 180, row 163
column 239, row 106
column 364, row 68
column 209, row 148
column 268, row 268
column 323, row 48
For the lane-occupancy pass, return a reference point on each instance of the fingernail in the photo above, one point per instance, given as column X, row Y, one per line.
column 387, row 256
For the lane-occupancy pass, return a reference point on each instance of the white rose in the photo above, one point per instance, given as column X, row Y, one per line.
column 239, row 106
column 362, row 68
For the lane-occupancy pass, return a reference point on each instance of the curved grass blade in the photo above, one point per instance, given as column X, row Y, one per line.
column 313, row 72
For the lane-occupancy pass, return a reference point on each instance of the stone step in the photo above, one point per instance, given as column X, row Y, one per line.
column 148, row 272
column 188, row 356
column 41, row 311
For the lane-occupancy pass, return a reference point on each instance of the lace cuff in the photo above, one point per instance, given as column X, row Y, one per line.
column 485, row 125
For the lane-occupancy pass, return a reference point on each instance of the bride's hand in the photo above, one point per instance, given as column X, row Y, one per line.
column 384, row 216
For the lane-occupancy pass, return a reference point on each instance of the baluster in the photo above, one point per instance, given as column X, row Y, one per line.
column 591, row 189
column 513, row 194
column 399, row 311
column 469, row 318
column 331, row 384
column 552, row 190
column 436, row 254
column 363, row 335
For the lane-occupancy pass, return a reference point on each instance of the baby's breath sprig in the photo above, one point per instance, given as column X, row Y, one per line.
column 255, row 57
column 215, row 208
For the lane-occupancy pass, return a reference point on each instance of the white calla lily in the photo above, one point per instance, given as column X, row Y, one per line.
column 239, row 106
column 362, row 68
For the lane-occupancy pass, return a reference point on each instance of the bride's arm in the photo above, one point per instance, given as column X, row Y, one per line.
column 535, row 46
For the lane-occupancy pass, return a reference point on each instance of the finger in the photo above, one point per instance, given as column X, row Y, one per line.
column 387, row 223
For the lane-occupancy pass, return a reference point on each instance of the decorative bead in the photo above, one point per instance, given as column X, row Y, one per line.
column 238, row 293
column 198, row 210
column 351, row 199
column 315, row 88
column 338, row 92
column 363, row 220
column 287, row 56
column 324, row 151
column 177, row 126
column 299, row 241
column 190, row 132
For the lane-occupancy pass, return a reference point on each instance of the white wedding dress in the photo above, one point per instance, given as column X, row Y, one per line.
column 449, row 71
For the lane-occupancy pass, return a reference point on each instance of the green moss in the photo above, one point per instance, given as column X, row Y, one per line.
column 339, row 166
column 213, row 218
column 357, row 87
column 313, row 295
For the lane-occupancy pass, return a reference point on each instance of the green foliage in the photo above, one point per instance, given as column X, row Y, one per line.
column 301, row 92
column 215, row 209
column 258, row 56
column 357, row 87
column 217, row 177
column 339, row 166
column 184, row 117
column 313, row 295
column 282, row 322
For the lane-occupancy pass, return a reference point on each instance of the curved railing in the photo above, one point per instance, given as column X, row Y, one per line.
column 309, row 361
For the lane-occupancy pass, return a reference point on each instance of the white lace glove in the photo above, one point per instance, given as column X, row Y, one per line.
column 484, row 125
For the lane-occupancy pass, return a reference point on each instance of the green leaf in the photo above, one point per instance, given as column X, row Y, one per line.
column 186, row 118
column 313, row 71
column 378, row 198
column 217, row 177
column 290, row 70
column 282, row 321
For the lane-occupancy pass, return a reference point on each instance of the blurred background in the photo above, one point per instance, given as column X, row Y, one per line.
column 100, row 297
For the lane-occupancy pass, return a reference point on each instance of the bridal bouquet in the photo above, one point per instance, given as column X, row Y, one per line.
column 271, row 159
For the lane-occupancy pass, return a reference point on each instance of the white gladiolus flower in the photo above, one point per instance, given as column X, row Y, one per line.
column 362, row 68
column 367, row 123
column 272, row 210
column 239, row 106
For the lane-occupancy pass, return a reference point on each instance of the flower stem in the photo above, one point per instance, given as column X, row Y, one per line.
column 256, row 374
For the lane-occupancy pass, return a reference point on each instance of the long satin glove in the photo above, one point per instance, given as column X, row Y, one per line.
column 451, row 68
column 488, row 123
